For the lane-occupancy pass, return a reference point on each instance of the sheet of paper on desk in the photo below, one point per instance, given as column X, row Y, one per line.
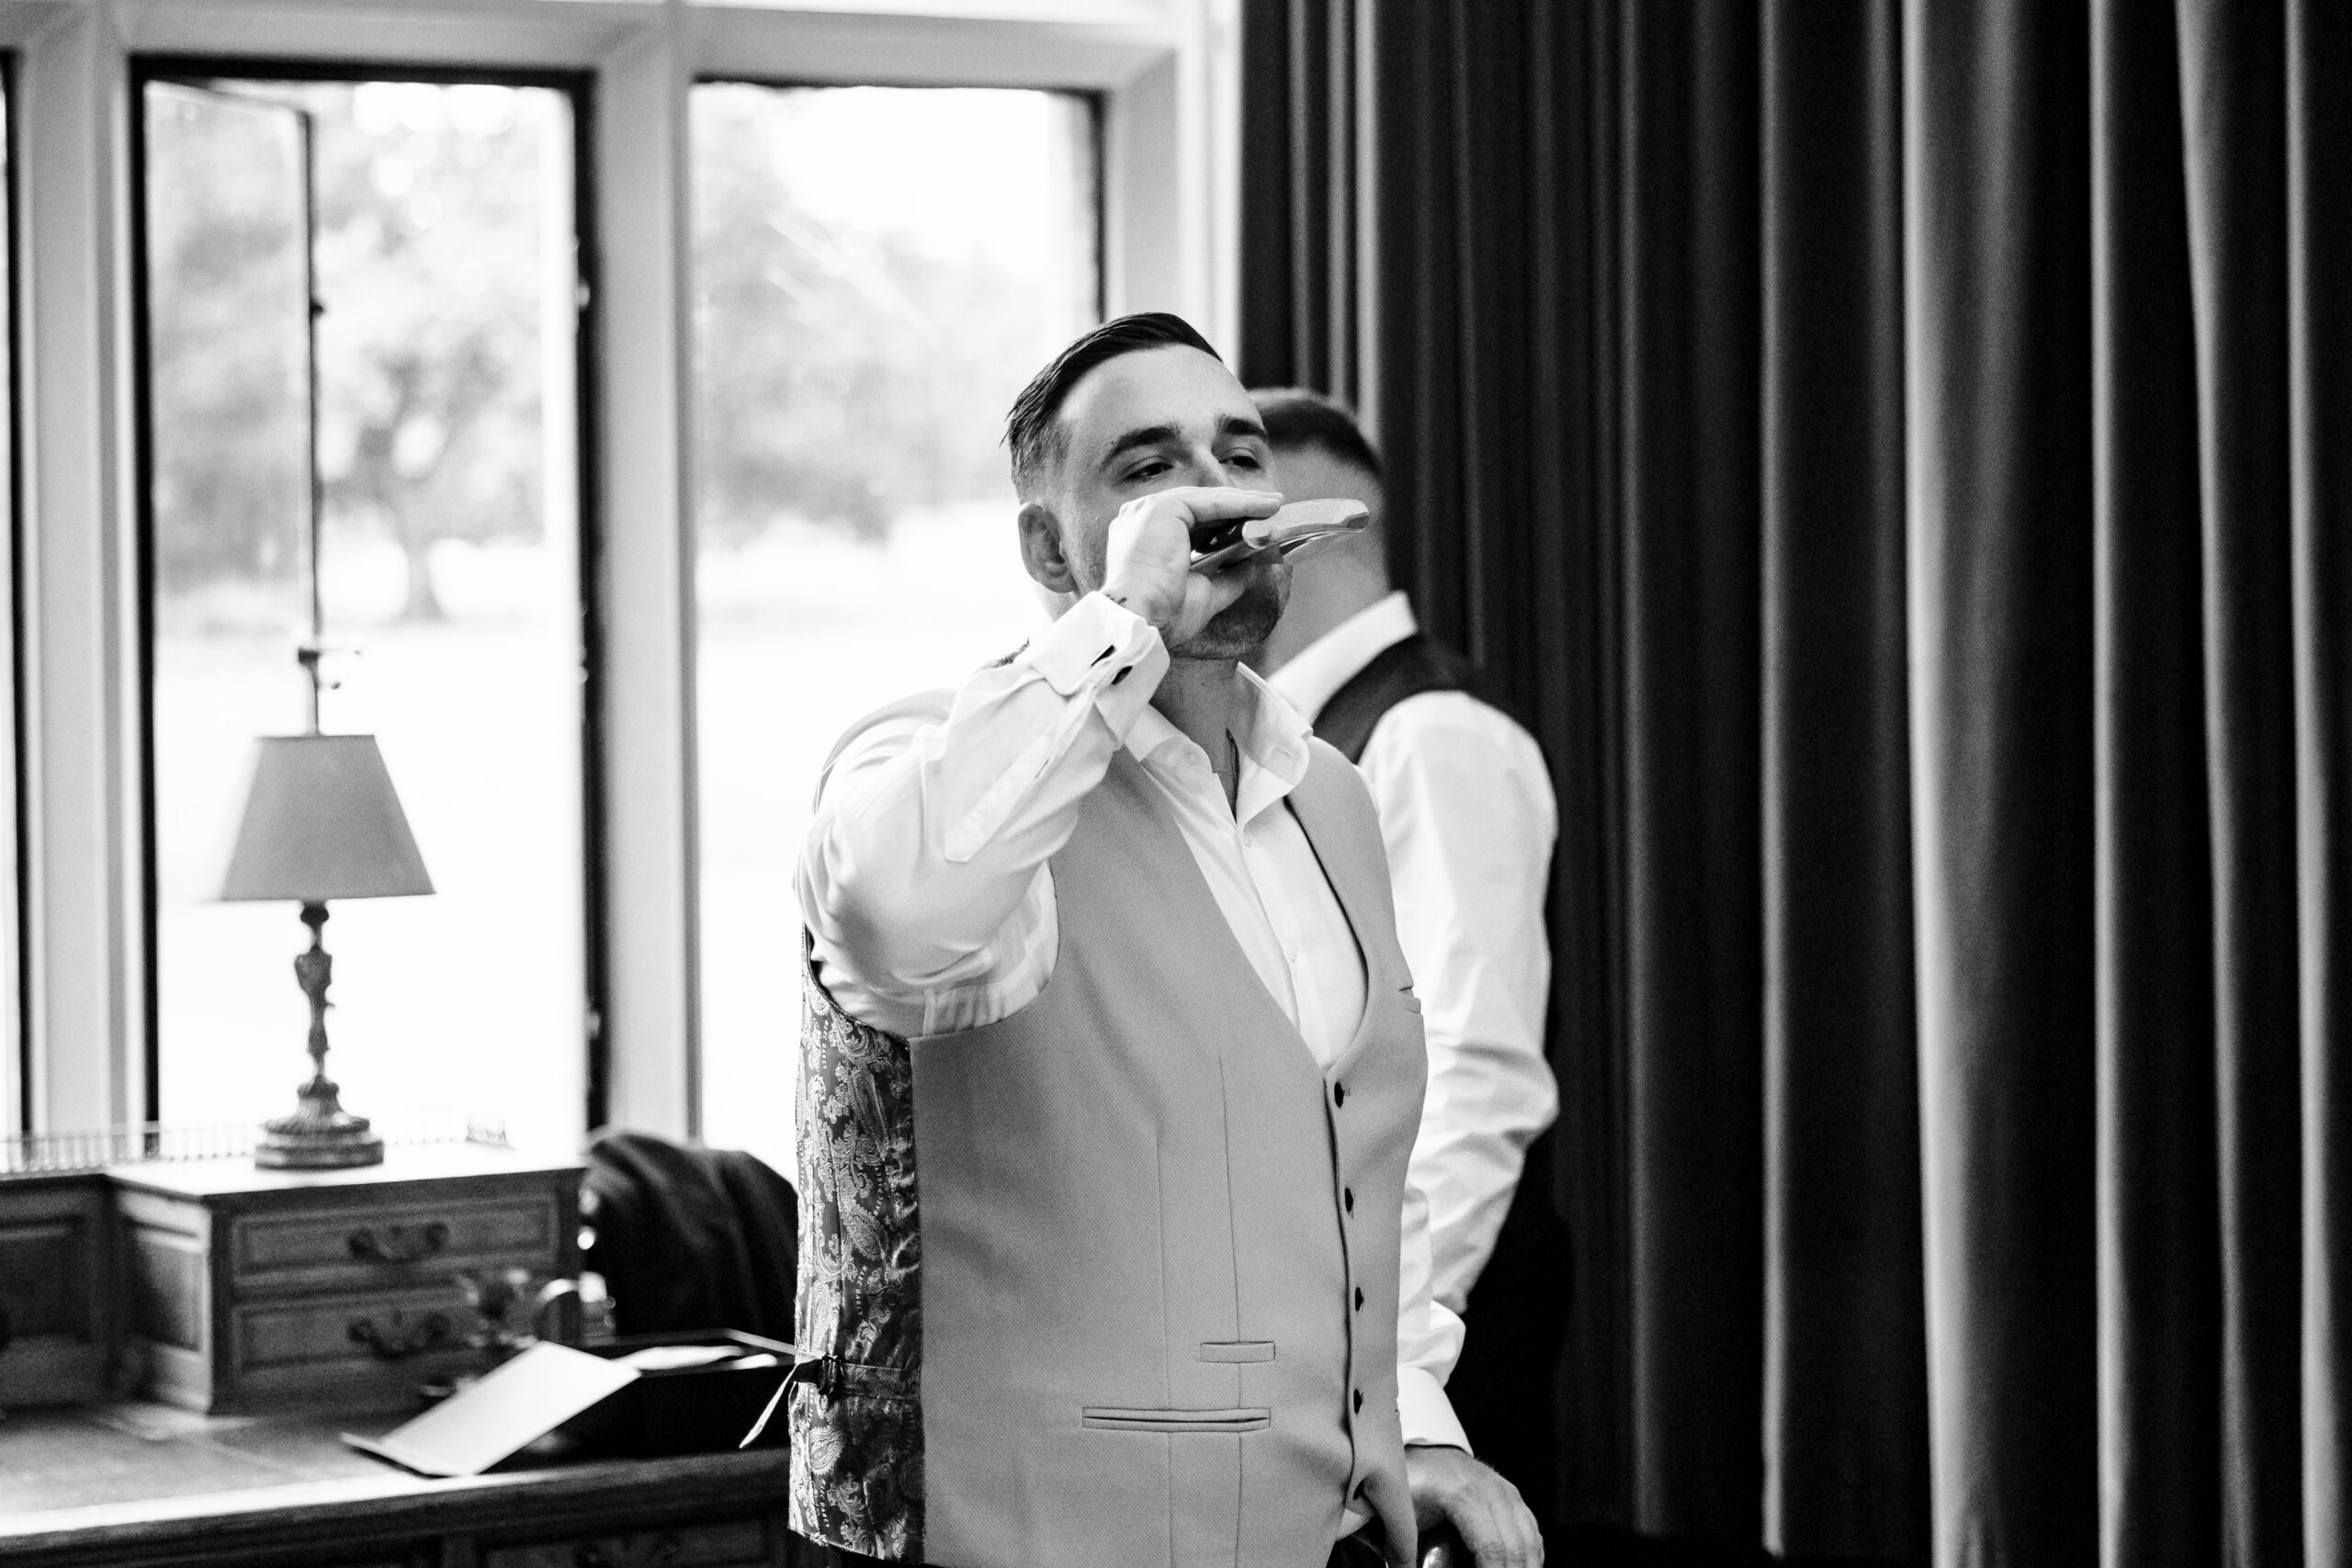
column 669, row 1357
column 489, row 1419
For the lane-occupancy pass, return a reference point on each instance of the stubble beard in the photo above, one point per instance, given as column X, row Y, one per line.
column 1241, row 627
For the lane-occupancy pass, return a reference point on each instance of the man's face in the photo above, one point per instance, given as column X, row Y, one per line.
column 1155, row 419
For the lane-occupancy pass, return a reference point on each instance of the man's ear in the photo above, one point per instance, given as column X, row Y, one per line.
column 1041, row 548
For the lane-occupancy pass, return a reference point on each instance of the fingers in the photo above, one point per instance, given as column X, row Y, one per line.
column 1203, row 503
column 1161, row 525
column 1496, row 1526
column 1147, row 559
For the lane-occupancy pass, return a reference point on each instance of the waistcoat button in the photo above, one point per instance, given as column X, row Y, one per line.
column 1359, row 1401
column 1338, row 1094
column 1348, row 1195
column 1359, row 1297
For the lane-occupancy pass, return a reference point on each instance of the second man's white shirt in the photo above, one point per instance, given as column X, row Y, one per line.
column 1467, row 811
column 925, row 884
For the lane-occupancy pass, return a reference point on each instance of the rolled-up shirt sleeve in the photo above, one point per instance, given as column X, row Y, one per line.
column 923, row 878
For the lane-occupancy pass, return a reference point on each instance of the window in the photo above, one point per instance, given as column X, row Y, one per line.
column 613, row 863
column 434, row 220
column 878, row 271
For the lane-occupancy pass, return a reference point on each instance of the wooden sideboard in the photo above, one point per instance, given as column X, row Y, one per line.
column 145, row 1485
column 267, row 1312
column 258, row 1290
column 219, row 1286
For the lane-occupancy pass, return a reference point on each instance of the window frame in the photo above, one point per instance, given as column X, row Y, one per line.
column 1163, row 74
column 577, row 87
column 1097, row 142
column 15, row 1051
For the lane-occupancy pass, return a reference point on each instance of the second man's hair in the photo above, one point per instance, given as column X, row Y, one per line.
column 1296, row 417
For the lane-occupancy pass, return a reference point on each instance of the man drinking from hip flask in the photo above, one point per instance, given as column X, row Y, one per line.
column 1112, row 1065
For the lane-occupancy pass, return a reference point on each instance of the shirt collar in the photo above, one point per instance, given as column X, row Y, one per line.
column 1271, row 740
column 1315, row 674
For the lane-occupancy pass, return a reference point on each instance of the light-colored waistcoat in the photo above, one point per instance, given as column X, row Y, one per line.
column 1157, row 1243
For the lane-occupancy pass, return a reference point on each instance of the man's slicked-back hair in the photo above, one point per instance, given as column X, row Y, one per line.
column 1032, row 430
column 1295, row 417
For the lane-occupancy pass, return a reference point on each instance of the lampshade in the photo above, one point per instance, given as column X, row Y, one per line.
column 321, row 822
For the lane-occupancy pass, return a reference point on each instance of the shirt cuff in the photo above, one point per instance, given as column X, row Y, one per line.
column 1425, row 1414
column 1105, row 647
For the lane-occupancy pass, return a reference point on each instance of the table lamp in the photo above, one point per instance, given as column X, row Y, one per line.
column 321, row 822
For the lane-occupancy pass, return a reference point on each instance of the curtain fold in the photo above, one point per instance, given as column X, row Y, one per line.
column 1845, row 1413
column 1899, row 454
column 1298, row 219
column 1457, row 465
column 2159, row 1257
column 2318, row 334
column 1685, row 385
column 2232, row 130
column 1996, row 241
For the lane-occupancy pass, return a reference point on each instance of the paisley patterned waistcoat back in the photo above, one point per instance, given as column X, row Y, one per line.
column 1113, row 1280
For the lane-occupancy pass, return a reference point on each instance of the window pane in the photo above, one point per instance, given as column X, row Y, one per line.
column 878, row 272
column 447, row 567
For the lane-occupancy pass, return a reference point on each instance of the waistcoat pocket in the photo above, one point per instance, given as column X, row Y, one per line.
column 1236, row 1350
column 1119, row 1418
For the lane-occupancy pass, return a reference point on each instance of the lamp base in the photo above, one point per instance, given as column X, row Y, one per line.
column 319, row 1135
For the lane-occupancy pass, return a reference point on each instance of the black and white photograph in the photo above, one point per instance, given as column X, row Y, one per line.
column 1175, row 784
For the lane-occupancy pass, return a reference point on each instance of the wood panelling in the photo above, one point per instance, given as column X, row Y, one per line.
column 167, row 1286
column 733, row 1543
column 56, row 1296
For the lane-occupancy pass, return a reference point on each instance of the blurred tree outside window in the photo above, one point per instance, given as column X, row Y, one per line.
column 445, row 264
column 877, row 273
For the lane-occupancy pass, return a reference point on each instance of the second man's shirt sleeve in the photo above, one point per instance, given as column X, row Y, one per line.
column 1466, row 808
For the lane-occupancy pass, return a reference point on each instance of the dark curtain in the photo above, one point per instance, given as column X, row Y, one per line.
column 1299, row 205
column 1900, row 453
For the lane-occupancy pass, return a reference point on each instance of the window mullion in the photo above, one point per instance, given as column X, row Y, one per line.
column 642, row 330
column 85, row 886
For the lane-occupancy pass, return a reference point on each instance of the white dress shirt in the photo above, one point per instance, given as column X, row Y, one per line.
column 929, row 898
column 1467, row 807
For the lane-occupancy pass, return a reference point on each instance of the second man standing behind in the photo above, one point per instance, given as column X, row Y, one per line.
column 1466, row 809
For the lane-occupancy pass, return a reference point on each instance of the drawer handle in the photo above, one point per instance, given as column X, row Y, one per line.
column 434, row 1331
column 399, row 1244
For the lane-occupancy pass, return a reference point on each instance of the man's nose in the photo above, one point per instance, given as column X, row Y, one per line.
column 1204, row 467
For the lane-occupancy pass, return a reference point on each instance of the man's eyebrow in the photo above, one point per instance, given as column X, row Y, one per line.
column 1156, row 435
column 1143, row 436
